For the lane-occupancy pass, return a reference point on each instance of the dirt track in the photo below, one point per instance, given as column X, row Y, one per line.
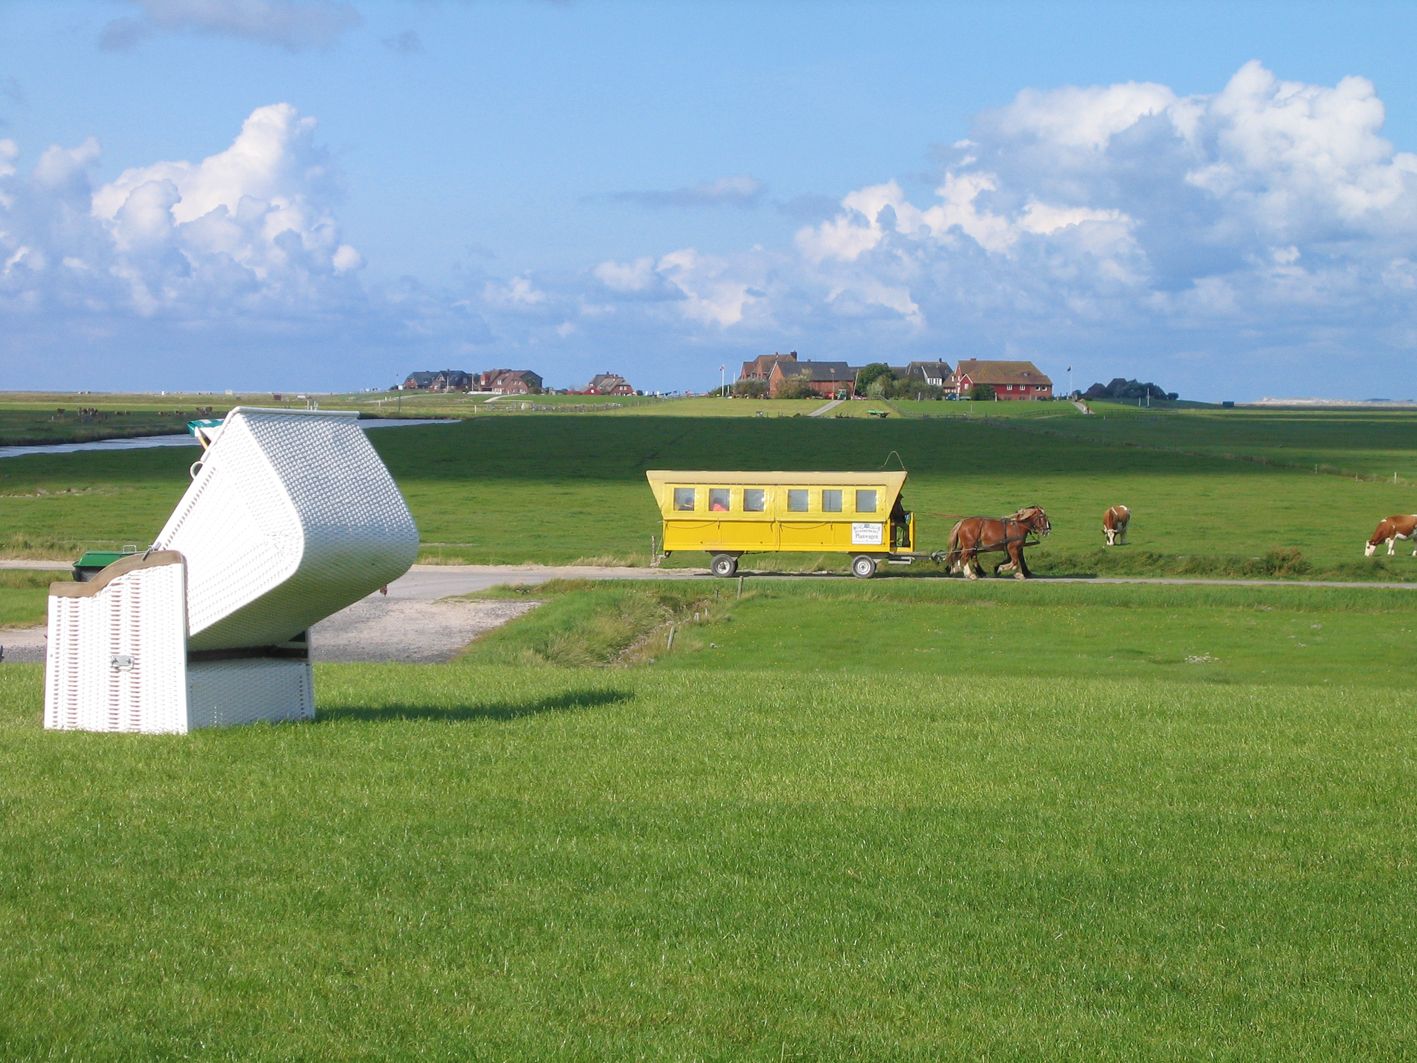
column 410, row 623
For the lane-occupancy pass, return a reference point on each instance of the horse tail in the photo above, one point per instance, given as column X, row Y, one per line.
column 952, row 546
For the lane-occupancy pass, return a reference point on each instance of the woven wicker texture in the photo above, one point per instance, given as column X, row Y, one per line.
column 224, row 693
column 117, row 660
column 291, row 517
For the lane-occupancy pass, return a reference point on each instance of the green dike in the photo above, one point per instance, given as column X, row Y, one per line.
column 590, row 863
column 1240, row 636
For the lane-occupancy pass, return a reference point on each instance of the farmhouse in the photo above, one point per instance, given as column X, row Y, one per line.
column 1010, row 380
column 828, row 379
column 510, row 382
column 760, row 368
column 936, row 374
column 609, row 384
column 438, row 380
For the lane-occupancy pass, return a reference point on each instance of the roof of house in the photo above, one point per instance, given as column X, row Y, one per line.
column 601, row 380
column 815, row 371
column 763, row 363
column 421, row 377
column 995, row 372
column 939, row 367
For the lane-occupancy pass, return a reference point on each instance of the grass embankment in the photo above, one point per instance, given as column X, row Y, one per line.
column 1199, row 634
column 561, row 489
column 551, row 863
column 24, row 595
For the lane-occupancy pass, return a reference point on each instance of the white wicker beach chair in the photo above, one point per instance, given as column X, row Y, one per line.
column 290, row 517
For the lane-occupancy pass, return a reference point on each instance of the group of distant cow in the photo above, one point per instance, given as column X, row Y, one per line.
column 1389, row 530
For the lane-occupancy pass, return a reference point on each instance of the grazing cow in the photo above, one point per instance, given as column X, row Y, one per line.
column 1114, row 524
column 1391, row 529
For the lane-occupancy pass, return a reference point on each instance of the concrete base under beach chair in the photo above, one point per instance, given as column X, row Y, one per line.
column 290, row 517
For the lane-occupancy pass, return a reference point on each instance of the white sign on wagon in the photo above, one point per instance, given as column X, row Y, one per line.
column 867, row 534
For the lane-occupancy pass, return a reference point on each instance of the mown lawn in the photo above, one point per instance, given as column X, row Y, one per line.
column 496, row 862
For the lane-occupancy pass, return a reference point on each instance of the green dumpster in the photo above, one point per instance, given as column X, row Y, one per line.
column 95, row 561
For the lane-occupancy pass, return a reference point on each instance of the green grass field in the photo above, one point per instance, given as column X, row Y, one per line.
column 562, row 488
column 718, row 863
column 912, row 818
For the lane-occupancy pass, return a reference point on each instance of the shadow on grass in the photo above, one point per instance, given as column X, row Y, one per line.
column 570, row 701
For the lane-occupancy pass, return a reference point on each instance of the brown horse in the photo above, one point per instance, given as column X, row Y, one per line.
column 975, row 535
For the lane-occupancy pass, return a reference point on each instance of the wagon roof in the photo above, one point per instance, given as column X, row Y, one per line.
column 894, row 479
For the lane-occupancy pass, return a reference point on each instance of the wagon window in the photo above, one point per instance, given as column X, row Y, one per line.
column 831, row 500
column 754, row 499
column 797, row 500
column 718, row 499
column 866, row 501
column 684, row 498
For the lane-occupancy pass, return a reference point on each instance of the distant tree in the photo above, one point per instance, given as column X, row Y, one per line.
column 1121, row 389
column 751, row 389
column 913, row 388
column 869, row 375
column 982, row 392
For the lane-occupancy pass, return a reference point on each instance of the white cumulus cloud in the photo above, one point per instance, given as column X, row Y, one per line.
column 250, row 228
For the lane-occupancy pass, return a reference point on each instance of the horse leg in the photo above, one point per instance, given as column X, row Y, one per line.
column 970, row 563
column 1021, row 566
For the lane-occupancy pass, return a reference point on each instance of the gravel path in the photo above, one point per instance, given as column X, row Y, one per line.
column 412, row 622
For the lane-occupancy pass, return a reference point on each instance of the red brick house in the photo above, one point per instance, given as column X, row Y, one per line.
column 760, row 368
column 609, row 384
column 1010, row 380
column 827, row 379
column 511, row 382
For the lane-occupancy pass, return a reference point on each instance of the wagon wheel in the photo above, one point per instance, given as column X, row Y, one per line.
column 863, row 566
column 723, row 565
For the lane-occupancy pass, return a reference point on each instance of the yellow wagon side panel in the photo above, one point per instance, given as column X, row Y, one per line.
column 750, row 512
column 720, row 536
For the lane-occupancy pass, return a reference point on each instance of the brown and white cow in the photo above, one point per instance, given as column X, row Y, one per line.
column 1114, row 524
column 1391, row 529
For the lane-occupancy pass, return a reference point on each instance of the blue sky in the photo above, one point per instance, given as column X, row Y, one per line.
column 318, row 194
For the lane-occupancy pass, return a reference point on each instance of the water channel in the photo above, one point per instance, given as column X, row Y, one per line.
column 186, row 439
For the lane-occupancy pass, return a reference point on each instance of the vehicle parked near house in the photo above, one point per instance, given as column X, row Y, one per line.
column 729, row 514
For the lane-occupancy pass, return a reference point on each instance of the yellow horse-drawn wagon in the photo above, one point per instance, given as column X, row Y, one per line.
column 729, row 514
